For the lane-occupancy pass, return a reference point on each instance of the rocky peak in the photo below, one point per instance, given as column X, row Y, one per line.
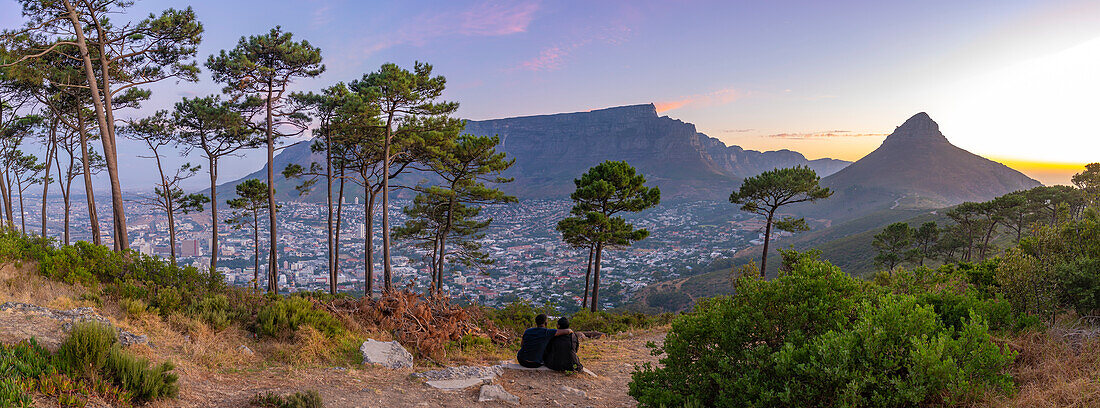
column 919, row 127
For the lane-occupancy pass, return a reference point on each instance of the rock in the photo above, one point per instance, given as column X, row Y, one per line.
column 69, row 317
column 457, row 378
column 245, row 350
column 591, row 334
column 573, row 391
column 494, row 392
column 387, row 354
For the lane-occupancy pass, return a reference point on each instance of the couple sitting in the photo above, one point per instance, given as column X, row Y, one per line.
column 556, row 349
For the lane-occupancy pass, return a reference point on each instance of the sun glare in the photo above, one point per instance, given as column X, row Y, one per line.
column 1044, row 110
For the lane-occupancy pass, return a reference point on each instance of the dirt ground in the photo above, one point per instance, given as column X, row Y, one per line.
column 612, row 359
column 214, row 373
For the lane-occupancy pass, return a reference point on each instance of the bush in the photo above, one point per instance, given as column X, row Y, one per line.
column 135, row 375
column 1080, row 284
column 282, row 317
column 308, row 399
column 92, row 351
column 815, row 336
column 516, row 316
column 215, row 311
column 615, row 322
column 85, row 351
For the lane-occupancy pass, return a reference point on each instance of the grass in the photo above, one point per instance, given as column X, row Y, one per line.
column 1055, row 368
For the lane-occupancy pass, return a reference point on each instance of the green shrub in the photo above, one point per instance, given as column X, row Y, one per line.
column 134, row 308
column 92, row 351
column 282, row 317
column 308, row 399
column 216, row 311
column 85, row 351
column 135, row 375
column 815, row 336
column 616, row 322
column 1079, row 280
column 516, row 316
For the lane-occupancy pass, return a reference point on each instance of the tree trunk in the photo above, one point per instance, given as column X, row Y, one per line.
column 273, row 262
column 369, row 237
column 213, row 213
column 5, row 191
column 93, row 218
column 336, row 228
column 51, row 153
column 588, row 276
column 595, row 303
column 332, row 275
column 65, row 196
column 387, row 271
column 22, row 215
column 166, row 200
column 256, row 248
column 767, row 240
column 99, row 100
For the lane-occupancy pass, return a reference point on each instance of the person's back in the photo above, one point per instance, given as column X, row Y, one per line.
column 532, row 346
column 561, row 353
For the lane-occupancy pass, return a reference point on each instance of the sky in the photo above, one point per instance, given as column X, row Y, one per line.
column 1012, row 80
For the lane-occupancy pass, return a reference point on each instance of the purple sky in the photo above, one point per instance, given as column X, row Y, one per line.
column 826, row 78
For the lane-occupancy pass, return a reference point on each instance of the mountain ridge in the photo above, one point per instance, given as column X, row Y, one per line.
column 553, row 149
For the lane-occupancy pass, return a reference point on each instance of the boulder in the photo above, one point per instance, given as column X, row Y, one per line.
column 493, row 392
column 457, row 378
column 387, row 354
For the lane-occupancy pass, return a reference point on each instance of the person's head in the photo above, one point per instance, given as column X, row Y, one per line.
column 540, row 320
column 563, row 323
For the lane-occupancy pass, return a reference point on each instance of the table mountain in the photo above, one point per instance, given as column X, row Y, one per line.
column 552, row 150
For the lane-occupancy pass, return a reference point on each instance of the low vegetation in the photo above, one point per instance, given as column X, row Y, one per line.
column 90, row 363
column 301, row 329
column 1013, row 329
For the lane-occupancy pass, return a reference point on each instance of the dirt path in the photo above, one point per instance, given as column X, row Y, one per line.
column 611, row 359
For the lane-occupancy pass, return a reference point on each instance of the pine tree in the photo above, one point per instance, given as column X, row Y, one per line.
column 607, row 189
column 766, row 192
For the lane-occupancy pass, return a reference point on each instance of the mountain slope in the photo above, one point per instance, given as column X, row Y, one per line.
column 915, row 167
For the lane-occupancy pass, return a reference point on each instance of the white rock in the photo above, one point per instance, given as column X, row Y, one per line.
column 495, row 392
column 573, row 391
column 245, row 350
column 387, row 354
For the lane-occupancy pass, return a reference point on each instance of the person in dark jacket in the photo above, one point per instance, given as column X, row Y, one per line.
column 532, row 346
column 561, row 353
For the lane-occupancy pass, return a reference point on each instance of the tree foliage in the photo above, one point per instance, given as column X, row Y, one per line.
column 766, row 192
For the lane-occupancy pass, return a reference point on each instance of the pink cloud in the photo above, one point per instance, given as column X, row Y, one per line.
column 492, row 19
column 719, row 97
column 554, row 57
column 485, row 19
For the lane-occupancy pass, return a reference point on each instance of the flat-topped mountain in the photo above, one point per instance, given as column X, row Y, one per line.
column 916, row 167
column 552, row 150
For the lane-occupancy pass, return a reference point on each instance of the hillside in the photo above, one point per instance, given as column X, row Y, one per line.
column 846, row 245
column 222, row 355
column 915, row 167
column 552, row 150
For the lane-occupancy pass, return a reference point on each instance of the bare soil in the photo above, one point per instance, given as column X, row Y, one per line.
column 612, row 359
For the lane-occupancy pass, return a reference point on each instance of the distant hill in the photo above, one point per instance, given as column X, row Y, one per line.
column 846, row 245
column 552, row 150
column 915, row 167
